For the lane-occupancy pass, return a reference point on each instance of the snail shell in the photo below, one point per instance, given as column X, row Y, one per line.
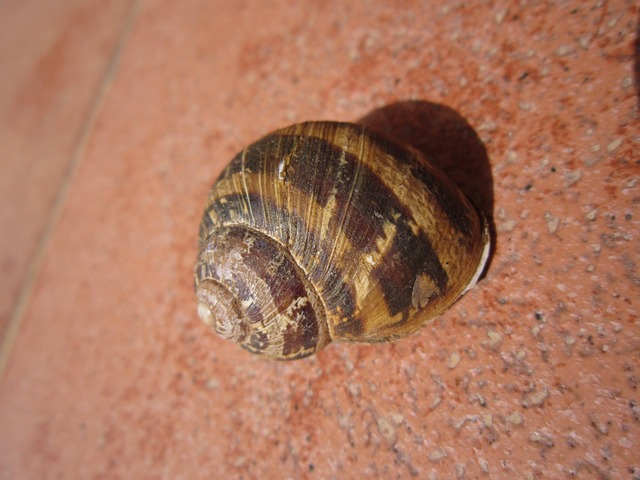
column 328, row 231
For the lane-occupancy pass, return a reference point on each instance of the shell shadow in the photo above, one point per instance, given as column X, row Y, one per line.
column 448, row 141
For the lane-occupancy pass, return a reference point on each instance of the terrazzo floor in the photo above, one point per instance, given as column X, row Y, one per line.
column 116, row 117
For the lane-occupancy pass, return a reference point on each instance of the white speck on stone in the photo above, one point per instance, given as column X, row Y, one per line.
column 601, row 427
column 571, row 178
column 625, row 443
column 437, row 454
column 541, row 438
column 515, row 419
column 488, row 126
column 348, row 364
column 617, row 327
column 512, row 156
column 525, row 106
column 591, row 216
column 507, row 226
column 345, row 421
column 387, row 430
column 212, row 384
column 612, row 23
column 521, row 355
column 396, row 418
column 573, row 437
column 627, row 82
column 613, row 145
column 454, row 359
column 596, row 148
column 487, row 418
column 552, row 222
column 354, row 389
column 590, row 161
column 535, row 399
column 565, row 50
column 569, row 340
column 499, row 16
column 584, row 41
column 308, row 397
column 495, row 339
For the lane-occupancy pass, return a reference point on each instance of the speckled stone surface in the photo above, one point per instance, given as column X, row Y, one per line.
column 532, row 108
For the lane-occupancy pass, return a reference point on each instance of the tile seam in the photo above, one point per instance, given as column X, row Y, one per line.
column 35, row 266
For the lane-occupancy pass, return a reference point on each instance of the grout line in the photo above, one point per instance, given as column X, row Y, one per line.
column 28, row 285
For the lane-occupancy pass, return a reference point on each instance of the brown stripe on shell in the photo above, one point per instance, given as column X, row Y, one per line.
column 206, row 225
column 442, row 193
column 422, row 171
column 432, row 199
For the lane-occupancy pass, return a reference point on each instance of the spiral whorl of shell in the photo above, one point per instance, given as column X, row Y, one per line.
column 251, row 291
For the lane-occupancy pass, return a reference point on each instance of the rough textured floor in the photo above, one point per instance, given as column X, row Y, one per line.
column 115, row 118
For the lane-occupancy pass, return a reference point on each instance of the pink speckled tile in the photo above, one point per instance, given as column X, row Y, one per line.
column 533, row 374
column 53, row 57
